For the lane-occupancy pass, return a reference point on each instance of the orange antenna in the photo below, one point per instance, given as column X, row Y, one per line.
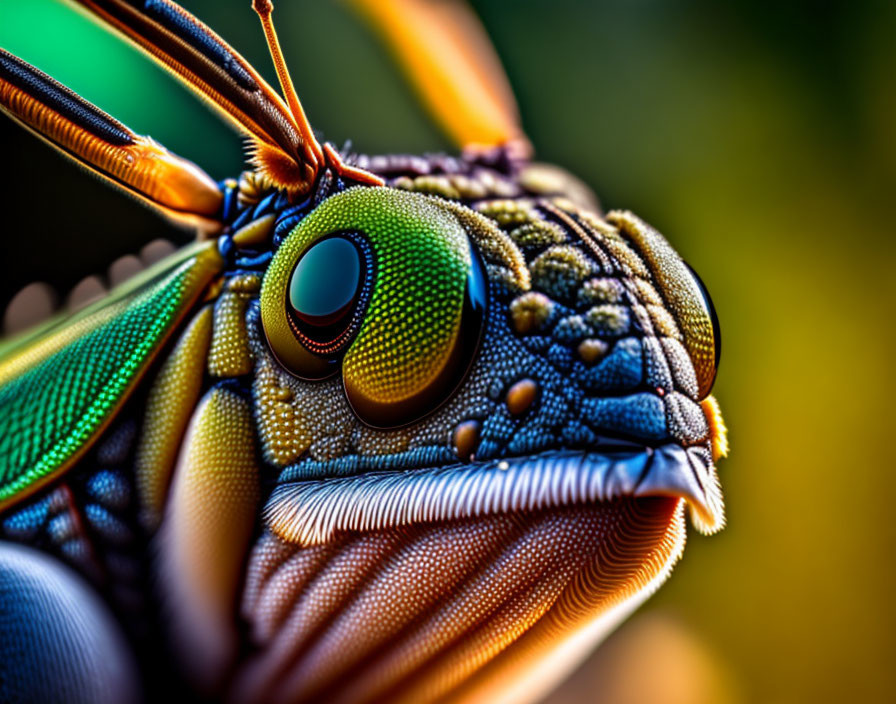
column 264, row 8
column 317, row 154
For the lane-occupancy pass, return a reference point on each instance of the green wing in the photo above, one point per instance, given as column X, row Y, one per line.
column 61, row 385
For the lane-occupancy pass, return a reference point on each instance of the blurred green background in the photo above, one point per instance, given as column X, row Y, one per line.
column 760, row 137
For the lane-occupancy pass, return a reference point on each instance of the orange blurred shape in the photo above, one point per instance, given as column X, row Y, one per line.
column 656, row 658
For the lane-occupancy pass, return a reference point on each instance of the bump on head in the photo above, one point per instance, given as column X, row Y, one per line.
column 521, row 396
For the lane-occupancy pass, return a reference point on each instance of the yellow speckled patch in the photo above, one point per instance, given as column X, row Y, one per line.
column 533, row 235
column 508, row 213
column 285, row 435
column 560, row 270
column 497, row 248
column 168, row 408
column 205, row 534
column 663, row 322
column 229, row 355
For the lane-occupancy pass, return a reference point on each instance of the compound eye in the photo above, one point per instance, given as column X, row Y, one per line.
column 326, row 295
column 385, row 287
column 369, row 373
column 325, row 284
column 710, row 311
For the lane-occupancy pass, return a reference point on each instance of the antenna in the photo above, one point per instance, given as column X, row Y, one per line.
column 320, row 156
column 264, row 8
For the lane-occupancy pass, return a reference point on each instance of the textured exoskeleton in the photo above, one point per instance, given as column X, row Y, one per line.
column 394, row 428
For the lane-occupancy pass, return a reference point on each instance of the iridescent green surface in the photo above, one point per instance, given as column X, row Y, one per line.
column 57, row 401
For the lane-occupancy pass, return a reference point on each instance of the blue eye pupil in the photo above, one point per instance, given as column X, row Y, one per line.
column 325, row 282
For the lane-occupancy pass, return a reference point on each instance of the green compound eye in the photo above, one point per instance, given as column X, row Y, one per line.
column 386, row 285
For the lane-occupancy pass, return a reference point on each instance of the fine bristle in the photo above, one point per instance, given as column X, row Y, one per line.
column 310, row 512
column 312, row 157
column 282, row 171
column 717, row 429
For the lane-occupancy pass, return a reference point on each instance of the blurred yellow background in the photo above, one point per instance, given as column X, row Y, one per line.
column 760, row 137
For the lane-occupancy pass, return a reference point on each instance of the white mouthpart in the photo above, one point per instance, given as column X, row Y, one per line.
column 311, row 511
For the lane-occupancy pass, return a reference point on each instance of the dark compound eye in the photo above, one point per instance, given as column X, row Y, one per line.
column 325, row 282
column 327, row 293
column 710, row 309
column 325, row 298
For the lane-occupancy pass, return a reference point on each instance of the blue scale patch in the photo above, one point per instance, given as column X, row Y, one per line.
column 572, row 329
column 356, row 464
column 109, row 488
column 561, row 357
column 577, row 434
column 497, row 429
column 27, row 522
column 621, row 370
column 76, row 550
column 641, row 416
column 61, row 528
column 106, row 525
column 530, row 441
column 537, row 344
